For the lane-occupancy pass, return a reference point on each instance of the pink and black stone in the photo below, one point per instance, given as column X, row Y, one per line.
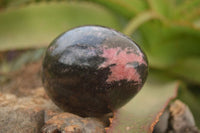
column 93, row 70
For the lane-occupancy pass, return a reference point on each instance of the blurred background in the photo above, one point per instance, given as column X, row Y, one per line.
column 167, row 30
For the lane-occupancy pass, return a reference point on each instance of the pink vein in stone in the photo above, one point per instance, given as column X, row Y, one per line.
column 122, row 70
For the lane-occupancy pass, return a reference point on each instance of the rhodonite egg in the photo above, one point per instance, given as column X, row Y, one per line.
column 93, row 70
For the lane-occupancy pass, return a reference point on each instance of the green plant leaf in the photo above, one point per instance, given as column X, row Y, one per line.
column 187, row 8
column 168, row 44
column 187, row 69
column 162, row 7
column 137, row 21
column 143, row 112
column 126, row 8
column 173, row 49
column 38, row 24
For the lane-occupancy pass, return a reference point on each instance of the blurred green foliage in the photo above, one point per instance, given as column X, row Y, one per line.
column 37, row 25
column 167, row 30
